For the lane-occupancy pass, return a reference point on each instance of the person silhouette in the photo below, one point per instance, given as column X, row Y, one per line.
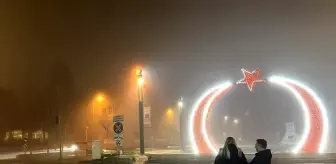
column 230, row 153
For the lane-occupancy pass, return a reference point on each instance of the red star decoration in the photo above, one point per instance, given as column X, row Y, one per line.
column 250, row 78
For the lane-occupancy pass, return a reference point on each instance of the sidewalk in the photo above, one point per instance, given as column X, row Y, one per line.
column 12, row 155
column 53, row 158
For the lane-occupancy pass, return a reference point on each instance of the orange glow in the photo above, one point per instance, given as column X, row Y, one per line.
column 140, row 81
column 137, row 71
column 170, row 112
column 100, row 98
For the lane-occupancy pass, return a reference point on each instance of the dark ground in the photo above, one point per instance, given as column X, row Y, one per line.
column 196, row 159
column 177, row 159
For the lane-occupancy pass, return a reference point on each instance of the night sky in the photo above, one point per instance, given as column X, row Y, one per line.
column 187, row 45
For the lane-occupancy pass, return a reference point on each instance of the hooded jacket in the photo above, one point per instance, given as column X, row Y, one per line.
column 262, row 157
column 230, row 155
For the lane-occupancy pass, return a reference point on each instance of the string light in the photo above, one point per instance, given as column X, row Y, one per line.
column 289, row 84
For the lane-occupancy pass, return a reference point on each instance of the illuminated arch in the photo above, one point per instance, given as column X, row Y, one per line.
column 316, row 128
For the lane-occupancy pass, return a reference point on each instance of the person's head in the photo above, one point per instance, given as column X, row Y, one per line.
column 261, row 144
column 230, row 149
column 230, row 140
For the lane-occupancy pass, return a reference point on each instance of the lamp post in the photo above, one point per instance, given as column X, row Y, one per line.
column 86, row 140
column 99, row 99
column 141, row 112
column 180, row 106
column 235, row 121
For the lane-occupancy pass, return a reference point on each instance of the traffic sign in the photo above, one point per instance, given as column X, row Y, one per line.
column 118, row 118
column 118, row 127
column 25, row 145
column 118, row 137
column 118, row 144
column 147, row 117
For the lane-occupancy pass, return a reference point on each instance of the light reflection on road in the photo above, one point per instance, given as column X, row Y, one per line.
column 13, row 155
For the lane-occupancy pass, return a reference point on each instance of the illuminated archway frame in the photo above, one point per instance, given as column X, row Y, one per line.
column 315, row 134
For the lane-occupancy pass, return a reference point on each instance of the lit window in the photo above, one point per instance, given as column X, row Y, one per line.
column 7, row 136
column 17, row 134
column 38, row 135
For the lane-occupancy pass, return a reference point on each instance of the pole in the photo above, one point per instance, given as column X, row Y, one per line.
column 181, row 131
column 180, row 105
column 141, row 114
column 86, row 133
column 59, row 126
column 30, row 144
column 93, row 113
column 48, row 127
column 60, row 138
column 65, row 134
column 141, row 123
column 86, row 141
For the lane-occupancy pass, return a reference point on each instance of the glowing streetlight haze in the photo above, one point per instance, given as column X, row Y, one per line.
column 139, row 74
column 170, row 112
column 180, row 103
column 226, row 118
column 100, row 98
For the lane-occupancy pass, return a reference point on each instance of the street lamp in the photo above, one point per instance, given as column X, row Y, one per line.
column 86, row 140
column 169, row 113
column 180, row 106
column 99, row 98
column 226, row 118
column 236, row 121
column 141, row 111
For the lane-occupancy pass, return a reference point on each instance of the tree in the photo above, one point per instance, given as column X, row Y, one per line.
column 12, row 114
column 59, row 93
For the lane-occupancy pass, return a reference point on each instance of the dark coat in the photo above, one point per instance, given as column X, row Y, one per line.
column 236, row 156
column 262, row 157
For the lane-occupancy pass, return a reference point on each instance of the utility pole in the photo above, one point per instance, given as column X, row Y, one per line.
column 86, row 133
column 180, row 106
column 58, row 122
column 65, row 134
column 86, row 140
column 47, row 127
column 141, row 113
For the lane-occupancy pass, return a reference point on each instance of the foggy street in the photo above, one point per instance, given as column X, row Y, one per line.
column 13, row 155
column 168, row 82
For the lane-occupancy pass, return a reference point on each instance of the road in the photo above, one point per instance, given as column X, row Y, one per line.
column 201, row 159
column 13, row 155
column 165, row 157
column 175, row 159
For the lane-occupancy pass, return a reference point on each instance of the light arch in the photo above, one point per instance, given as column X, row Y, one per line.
column 314, row 138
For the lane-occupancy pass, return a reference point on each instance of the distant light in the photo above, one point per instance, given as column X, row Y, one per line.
column 235, row 121
column 140, row 81
column 226, row 118
column 100, row 98
column 138, row 72
column 170, row 112
column 72, row 148
column 180, row 104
